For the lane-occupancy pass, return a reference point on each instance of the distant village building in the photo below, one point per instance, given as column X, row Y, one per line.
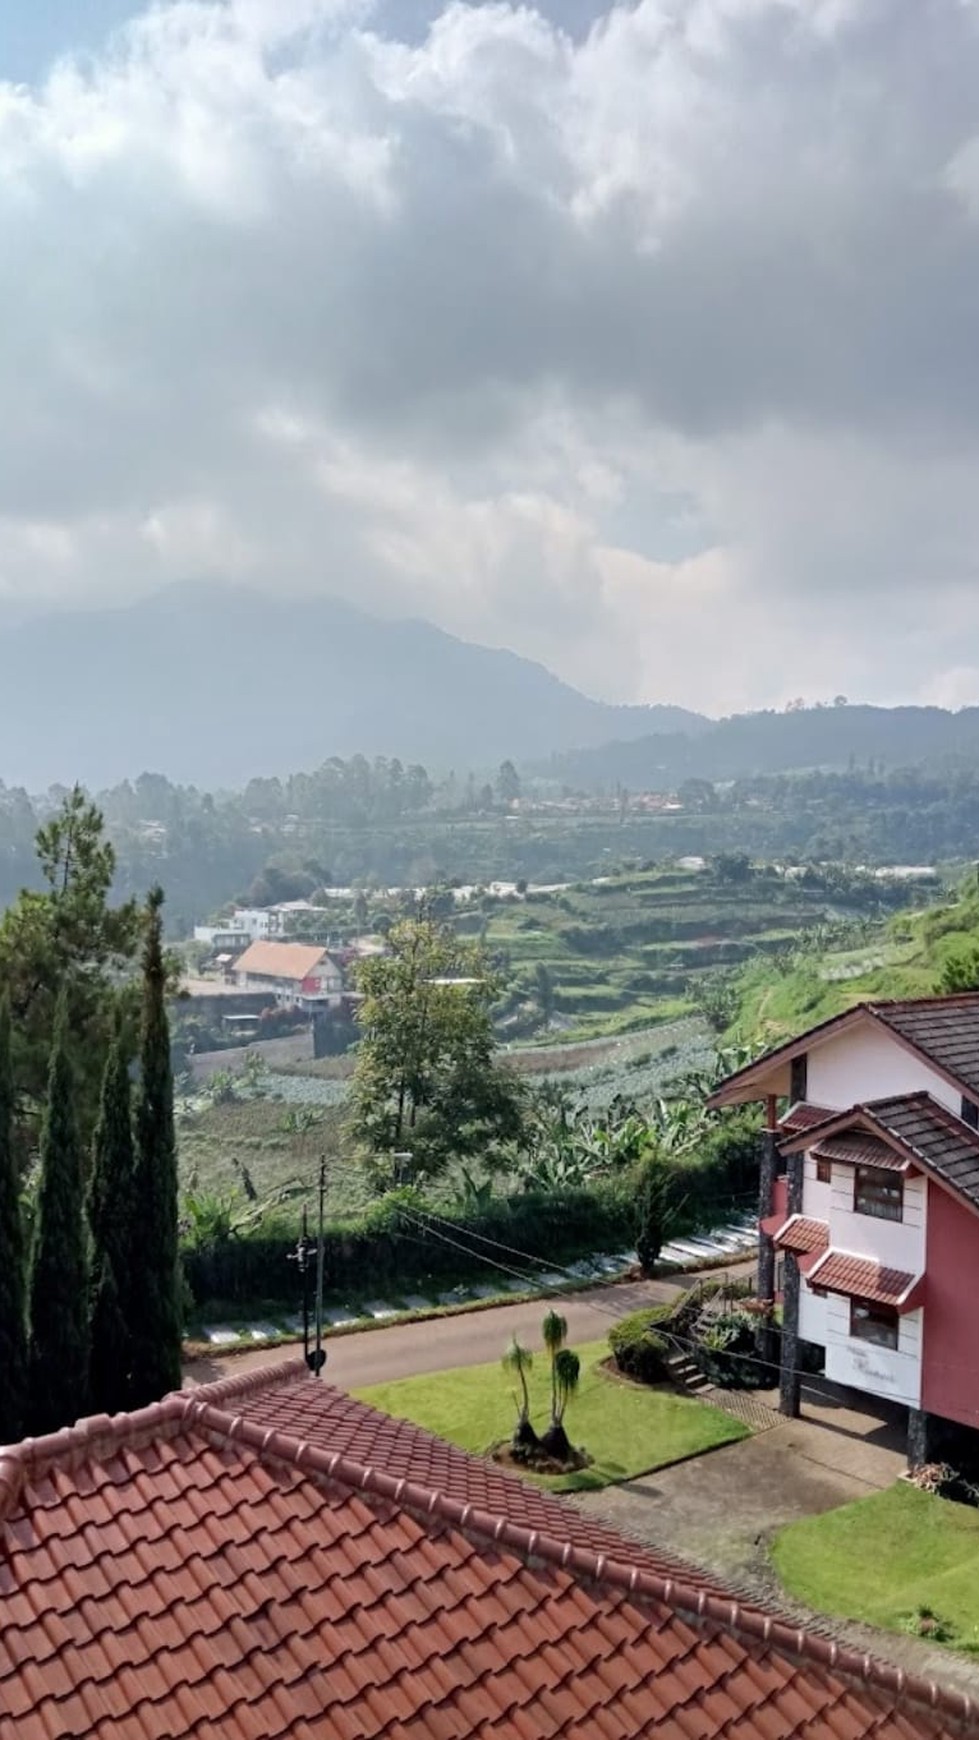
column 253, row 924
column 295, row 975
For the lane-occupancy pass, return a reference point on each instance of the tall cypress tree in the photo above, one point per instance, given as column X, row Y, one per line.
column 59, row 1267
column 13, row 1279
column 116, row 1259
column 155, row 1310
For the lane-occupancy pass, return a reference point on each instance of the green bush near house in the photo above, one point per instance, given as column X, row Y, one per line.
column 639, row 1350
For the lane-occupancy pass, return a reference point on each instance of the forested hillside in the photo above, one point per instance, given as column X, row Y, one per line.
column 840, row 737
column 384, row 824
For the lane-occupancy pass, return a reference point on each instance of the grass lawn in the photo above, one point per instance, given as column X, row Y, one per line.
column 626, row 1429
column 885, row 1558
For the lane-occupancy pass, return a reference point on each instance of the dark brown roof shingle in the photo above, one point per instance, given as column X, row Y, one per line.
column 945, row 1029
column 935, row 1135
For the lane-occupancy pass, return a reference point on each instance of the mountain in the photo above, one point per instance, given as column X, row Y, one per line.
column 212, row 684
column 769, row 743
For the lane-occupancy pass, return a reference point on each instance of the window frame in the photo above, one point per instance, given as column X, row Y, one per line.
column 824, row 1170
column 970, row 1113
column 799, row 1079
column 881, row 1189
column 870, row 1313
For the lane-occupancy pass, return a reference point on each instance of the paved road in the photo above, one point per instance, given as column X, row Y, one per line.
column 376, row 1356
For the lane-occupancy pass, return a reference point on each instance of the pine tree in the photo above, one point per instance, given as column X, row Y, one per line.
column 13, row 1312
column 155, row 1307
column 59, row 1277
column 116, row 1260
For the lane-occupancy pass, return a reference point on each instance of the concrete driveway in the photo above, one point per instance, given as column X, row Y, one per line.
column 722, row 1510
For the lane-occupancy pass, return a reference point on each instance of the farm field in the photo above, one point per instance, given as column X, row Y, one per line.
column 909, row 956
column 633, row 950
column 276, row 1135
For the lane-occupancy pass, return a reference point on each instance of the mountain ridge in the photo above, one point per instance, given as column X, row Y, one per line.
column 210, row 684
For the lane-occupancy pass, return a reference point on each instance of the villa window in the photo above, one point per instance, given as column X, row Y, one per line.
column 970, row 1113
column 878, row 1192
column 824, row 1171
column 876, row 1323
column 798, row 1079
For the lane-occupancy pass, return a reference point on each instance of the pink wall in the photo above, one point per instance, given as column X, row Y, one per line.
column 950, row 1365
column 780, row 1197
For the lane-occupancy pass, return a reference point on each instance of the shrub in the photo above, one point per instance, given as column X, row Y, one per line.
column 639, row 1348
column 726, row 1353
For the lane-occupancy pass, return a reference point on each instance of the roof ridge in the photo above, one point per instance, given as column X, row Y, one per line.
column 203, row 1410
column 99, row 1435
column 943, row 997
column 581, row 1562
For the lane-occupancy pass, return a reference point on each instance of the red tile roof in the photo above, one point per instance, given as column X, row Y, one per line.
column 862, row 1278
column 188, row 1571
column 802, row 1235
column 803, row 1116
column 281, row 960
column 317, row 1413
column 858, row 1149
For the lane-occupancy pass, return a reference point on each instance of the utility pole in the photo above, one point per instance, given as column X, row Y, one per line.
column 318, row 1360
column 301, row 1256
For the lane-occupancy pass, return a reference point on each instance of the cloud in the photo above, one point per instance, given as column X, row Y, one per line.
column 638, row 338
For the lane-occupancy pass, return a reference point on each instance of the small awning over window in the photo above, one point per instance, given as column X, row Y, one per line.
column 855, row 1149
column 801, row 1235
column 862, row 1278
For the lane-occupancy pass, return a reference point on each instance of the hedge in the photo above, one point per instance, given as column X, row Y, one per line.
column 638, row 1349
column 387, row 1248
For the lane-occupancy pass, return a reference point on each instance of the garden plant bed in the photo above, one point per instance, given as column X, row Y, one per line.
column 536, row 1461
column 625, row 1429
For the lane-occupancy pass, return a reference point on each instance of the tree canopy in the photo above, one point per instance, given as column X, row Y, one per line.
column 427, row 1079
column 67, row 942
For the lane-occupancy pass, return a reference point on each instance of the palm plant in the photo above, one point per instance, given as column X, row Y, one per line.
column 518, row 1361
column 565, row 1373
column 554, row 1330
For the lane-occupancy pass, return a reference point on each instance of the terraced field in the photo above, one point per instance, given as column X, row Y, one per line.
column 621, row 952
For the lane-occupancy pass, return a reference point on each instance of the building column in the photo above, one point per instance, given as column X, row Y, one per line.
column 767, row 1174
column 920, row 1447
column 789, row 1384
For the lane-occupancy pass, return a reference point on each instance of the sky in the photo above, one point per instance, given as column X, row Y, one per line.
column 641, row 339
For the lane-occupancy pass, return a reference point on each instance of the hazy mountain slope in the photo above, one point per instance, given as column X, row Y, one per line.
column 756, row 743
column 212, row 684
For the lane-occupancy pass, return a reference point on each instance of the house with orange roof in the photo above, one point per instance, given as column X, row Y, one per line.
column 295, row 975
column 266, row 1559
column 869, row 1204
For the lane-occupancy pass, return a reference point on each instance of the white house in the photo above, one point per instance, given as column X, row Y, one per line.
column 870, row 1192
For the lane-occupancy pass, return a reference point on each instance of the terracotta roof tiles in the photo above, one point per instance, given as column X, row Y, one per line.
column 803, row 1235
column 862, row 1278
column 858, row 1149
column 196, row 1570
column 281, row 960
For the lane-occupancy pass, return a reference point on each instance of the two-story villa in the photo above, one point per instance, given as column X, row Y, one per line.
column 870, row 1193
